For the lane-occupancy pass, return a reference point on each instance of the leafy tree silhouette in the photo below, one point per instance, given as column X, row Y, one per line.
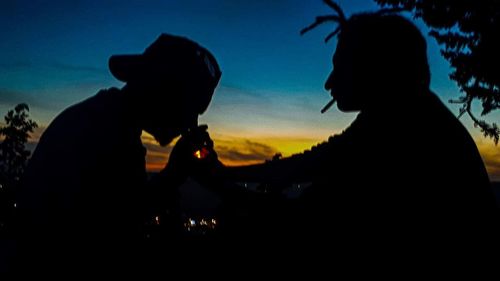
column 13, row 159
column 13, row 153
column 468, row 31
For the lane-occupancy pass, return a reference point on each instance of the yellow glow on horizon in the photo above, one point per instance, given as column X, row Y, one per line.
column 291, row 146
column 263, row 148
column 286, row 143
column 237, row 150
column 491, row 156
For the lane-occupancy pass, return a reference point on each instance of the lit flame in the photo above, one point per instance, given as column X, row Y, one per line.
column 197, row 154
column 201, row 153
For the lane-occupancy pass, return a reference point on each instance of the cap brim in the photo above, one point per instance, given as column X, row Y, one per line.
column 124, row 67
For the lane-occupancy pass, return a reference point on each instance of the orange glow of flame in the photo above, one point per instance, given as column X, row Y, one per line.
column 197, row 154
column 201, row 153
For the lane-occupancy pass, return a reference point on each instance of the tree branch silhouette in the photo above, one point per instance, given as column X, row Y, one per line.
column 467, row 31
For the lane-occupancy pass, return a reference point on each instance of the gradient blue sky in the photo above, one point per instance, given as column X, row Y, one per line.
column 55, row 53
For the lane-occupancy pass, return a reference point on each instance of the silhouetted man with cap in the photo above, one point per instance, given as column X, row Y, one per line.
column 84, row 188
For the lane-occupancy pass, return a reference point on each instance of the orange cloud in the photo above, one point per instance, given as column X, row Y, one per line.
column 239, row 151
column 156, row 155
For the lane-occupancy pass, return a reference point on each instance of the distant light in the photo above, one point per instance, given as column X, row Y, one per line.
column 298, row 186
column 15, row 205
column 157, row 220
column 192, row 222
column 1, row 186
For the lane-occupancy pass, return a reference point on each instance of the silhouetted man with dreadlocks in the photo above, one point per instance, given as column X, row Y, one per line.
column 406, row 166
column 406, row 157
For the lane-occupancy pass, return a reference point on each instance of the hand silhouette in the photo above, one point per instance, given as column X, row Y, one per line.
column 193, row 155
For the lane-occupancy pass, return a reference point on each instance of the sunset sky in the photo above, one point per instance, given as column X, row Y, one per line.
column 55, row 53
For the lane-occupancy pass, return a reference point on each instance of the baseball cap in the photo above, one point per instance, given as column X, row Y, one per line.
column 169, row 58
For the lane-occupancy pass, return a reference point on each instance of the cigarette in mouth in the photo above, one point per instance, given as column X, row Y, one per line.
column 328, row 105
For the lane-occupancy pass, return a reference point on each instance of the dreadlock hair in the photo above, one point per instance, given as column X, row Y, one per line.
column 384, row 40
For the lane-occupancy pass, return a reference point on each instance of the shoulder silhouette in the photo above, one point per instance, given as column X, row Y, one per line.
column 405, row 150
